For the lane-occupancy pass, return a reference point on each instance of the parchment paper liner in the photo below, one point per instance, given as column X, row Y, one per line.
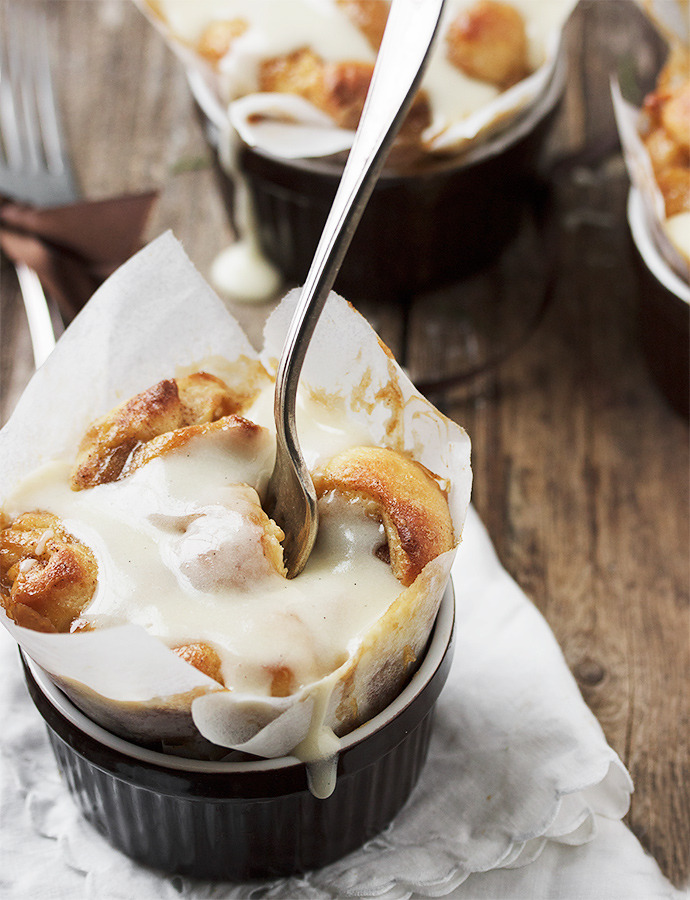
column 154, row 318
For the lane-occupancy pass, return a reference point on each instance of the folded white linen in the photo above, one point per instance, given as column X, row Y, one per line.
column 518, row 771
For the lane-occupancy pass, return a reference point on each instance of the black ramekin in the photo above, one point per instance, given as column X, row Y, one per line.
column 249, row 819
column 421, row 230
column 664, row 312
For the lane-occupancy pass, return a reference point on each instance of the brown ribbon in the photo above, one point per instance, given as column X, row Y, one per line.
column 74, row 248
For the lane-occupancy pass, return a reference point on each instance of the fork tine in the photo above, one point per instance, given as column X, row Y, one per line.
column 34, row 167
column 33, row 83
column 9, row 129
column 46, row 107
column 23, row 82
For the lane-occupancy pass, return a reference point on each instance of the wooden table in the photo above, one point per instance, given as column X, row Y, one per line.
column 581, row 468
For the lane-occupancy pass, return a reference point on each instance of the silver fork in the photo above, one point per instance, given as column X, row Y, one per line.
column 410, row 32
column 34, row 167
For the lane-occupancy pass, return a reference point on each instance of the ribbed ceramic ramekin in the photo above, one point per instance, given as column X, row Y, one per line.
column 664, row 312
column 254, row 818
column 421, row 229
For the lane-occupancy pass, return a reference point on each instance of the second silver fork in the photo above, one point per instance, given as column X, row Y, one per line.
column 34, row 166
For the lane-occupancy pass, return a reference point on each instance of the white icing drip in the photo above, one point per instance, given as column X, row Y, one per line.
column 47, row 535
column 322, row 775
column 242, row 273
column 321, row 746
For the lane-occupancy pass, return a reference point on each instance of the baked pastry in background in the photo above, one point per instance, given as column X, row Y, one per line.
column 325, row 53
column 665, row 129
column 487, row 42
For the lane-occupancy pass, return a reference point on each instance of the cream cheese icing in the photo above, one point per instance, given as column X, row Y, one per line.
column 179, row 551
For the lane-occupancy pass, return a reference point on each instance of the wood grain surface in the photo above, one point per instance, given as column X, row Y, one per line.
column 581, row 467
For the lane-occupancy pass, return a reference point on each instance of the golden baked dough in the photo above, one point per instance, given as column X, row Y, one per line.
column 488, row 41
column 666, row 132
column 337, row 88
column 409, row 501
column 218, row 37
column 47, row 576
column 283, row 681
column 675, row 116
column 169, row 405
column 674, row 184
column 370, row 16
column 663, row 151
column 203, row 657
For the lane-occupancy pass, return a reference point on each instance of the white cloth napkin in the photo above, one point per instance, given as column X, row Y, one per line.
column 521, row 796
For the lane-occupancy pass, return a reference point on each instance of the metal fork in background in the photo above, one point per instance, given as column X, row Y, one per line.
column 34, row 167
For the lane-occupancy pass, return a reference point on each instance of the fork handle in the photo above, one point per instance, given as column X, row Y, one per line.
column 41, row 328
column 402, row 58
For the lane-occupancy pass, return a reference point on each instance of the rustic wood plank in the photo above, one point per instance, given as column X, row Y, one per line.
column 581, row 473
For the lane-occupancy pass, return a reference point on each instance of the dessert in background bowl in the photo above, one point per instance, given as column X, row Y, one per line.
column 656, row 141
column 665, row 132
column 664, row 311
column 141, row 576
column 280, row 99
column 665, row 299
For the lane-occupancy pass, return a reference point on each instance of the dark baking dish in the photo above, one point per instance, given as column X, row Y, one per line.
column 421, row 230
column 254, row 818
column 663, row 313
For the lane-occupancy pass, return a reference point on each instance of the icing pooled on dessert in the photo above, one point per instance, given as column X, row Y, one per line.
column 158, row 523
column 179, row 546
